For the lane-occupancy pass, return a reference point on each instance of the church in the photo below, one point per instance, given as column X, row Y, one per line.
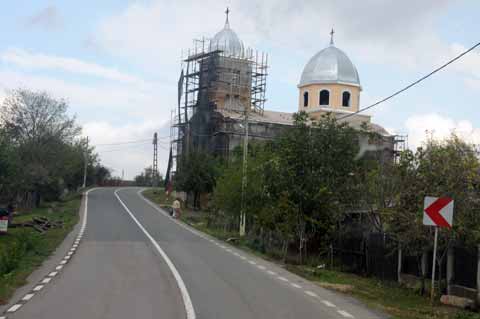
column 222, row 94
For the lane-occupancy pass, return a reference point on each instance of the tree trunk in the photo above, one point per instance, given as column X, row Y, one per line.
column 399, row 266
column 450, row 269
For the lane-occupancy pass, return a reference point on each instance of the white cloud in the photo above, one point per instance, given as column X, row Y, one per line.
column 48, row 18
column 131, row 158
column 439, row 127
column 38, row 61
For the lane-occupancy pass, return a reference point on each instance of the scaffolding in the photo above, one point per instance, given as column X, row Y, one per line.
column 212, row 79
column 400, row 144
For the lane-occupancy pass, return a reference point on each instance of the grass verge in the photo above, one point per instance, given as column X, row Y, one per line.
column 384, row 296
column 22, row 250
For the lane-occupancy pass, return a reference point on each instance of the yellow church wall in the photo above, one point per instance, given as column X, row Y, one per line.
column 336, row 91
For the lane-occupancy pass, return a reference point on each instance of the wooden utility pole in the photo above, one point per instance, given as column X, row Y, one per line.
column 155, row 160
column 85, row 165
column 244, row 176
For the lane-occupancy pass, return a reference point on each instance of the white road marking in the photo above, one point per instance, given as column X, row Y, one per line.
column 223, row 247
column 53, row 273
column 272, row 273
column 283, row 279
column 229, row 250
column 63, row 262
column 243, row 257
column 251, row 262
column 75, row 246
column 14, row 308
column 237, row 254
column 3, row 317
column 38, row 288
column 67, row 257
column 311, row 293
column 328, row 304
column 46, row 280
column 261, row 267
column 70, row 253
column 295, row 285
column 345, row 314
column 59, row 267
column 181, row 285
column 27, row 297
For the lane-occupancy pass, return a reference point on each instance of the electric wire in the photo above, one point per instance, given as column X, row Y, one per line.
column 412, row 84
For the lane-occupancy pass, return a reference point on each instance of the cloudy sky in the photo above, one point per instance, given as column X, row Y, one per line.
column 117, row 61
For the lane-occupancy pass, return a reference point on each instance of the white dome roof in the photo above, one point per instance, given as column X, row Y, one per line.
column 227, row 41
column 331, row 65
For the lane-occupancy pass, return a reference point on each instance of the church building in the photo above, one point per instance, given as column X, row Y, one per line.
column 222, row 92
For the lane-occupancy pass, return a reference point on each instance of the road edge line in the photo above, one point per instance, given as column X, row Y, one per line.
column 180, row 283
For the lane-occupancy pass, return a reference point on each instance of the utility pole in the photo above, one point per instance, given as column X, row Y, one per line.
column 244, row 175
column 85, row 156
column 155, row 160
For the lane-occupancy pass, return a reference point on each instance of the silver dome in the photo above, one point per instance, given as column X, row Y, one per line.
column 331, row 65
column 227, row 41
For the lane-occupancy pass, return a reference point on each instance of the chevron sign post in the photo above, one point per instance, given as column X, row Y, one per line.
column 437, row 212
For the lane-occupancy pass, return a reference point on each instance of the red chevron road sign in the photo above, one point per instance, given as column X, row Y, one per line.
column 438, row 211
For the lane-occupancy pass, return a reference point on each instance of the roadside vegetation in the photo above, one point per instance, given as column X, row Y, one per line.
column 311, row 190
column 23, row 249
column 42, row 160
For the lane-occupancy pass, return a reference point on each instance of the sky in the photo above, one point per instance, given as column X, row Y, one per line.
column 117, row 62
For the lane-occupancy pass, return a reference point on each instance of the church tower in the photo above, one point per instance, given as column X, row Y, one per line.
column 329, row 83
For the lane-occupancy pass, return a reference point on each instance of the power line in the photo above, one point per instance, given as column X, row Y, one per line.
column 124, row 148
column 412, row 84
column 122, row 143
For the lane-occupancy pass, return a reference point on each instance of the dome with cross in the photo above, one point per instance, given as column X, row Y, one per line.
column 330, row 65
column 227, row 40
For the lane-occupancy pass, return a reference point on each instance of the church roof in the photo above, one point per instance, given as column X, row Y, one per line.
column 284, row 118
column 227, row 41
column 330, row 65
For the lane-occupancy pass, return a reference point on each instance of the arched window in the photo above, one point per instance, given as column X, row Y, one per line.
column 346, row 99
column 324, row 97
column 305, row 99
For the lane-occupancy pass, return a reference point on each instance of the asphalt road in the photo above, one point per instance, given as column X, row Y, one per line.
column 119, row 272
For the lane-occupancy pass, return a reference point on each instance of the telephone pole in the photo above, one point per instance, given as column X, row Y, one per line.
column 85, row 156
column 244, row 175
column 155, row 160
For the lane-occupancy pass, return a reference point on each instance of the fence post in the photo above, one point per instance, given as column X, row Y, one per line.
column 399, row 266
column 478, row 274
column 450, row 269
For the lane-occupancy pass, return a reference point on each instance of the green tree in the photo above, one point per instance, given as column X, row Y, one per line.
column 196, row 174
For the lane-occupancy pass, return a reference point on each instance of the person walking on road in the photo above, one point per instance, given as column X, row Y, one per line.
column 176, row 208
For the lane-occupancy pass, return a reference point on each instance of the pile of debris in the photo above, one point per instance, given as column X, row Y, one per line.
column 40, row 224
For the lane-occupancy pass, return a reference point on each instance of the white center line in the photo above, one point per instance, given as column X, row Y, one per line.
column 328, row 304
column 63, row 262
column 53, row 273
column 38, row 288
column 295, row 285
column 243, row 257
column 283, row 279
column 59, row 267
column 251, row 262
column 28, row 297
column 14, row 308
column 261, row 267
column 345, row 314
column 187, row 301
column 46, row 280
column 311, row 293
column 272, row 273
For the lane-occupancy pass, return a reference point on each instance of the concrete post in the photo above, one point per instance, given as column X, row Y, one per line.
column 450, row 269
column 478, row 275
column 399, row 266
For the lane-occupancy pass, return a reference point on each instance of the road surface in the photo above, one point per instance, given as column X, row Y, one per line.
column 136, row 262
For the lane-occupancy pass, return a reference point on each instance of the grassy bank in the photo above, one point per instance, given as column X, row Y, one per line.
column 23, row 249
column 384, row 296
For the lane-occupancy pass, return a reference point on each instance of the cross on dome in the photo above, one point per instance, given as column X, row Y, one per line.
column 227, row 12
column 331, row 36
